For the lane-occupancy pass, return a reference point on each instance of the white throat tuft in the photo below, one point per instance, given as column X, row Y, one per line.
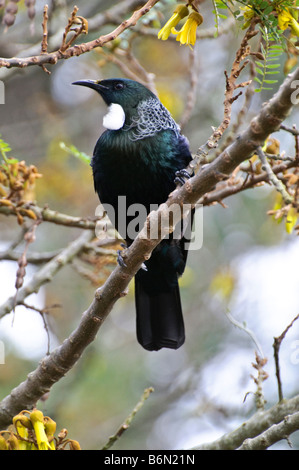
column 115, row 118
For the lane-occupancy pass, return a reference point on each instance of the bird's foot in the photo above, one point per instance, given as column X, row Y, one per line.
column 143, row 267
column 120, row 259
column 182, row 176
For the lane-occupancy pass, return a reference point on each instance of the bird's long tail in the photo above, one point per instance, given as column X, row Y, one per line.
column 159, row 318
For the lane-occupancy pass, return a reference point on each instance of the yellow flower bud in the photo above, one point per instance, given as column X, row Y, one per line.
column 13, row 442
column 50, row 428
column 22, row 424
column 3, row 443
column 272, row 146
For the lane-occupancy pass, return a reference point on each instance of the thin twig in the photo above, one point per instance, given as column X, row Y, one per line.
column 42, row 312
column 65, row 51
column 191, row 95
column 256, row 425
column 273, row 434
column 230, row 189
column 244, row 328
column 276, row 345
column 244, row 51
column 291, row 130
column 44, row 45
column 126, row 424
column 49, row 215
column 262, row 375
column 279, row 186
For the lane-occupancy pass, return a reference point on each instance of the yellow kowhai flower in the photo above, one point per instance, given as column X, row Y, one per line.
column 187, row 35
column 248, row 14
column 179, row 13
column 37, row 419
column 286, row 19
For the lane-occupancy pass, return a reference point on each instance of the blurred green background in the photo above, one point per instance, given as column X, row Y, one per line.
column 199, row 389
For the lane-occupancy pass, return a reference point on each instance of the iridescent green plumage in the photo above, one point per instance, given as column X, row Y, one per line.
column 143, row 169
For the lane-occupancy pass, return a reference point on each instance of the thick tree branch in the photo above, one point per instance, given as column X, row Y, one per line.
column 255, row 426
column 53, row 367
column 275, row 433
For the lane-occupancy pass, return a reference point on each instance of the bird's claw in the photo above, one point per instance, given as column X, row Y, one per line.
column 181, row 177
column 143, row 267
column 120, row 259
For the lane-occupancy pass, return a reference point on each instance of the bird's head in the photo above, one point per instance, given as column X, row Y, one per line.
column 122, row 96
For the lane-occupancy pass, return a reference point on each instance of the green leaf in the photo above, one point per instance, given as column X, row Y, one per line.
column 270, row 81
column 261, row 72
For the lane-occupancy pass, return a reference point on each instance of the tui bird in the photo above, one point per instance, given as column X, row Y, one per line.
column 141, row 156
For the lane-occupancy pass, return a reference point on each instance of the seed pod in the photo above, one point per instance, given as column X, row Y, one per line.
column 20, row 277
column 62, row 434
column 3, row 193
column 11, row 8
column 31, row 12
column 74, row 445
column 20, row 219
column 8, row 19
column 30, row 214
column 5, row 202
column 22, row 262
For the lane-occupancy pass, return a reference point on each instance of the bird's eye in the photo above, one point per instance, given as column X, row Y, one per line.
column 118, row 86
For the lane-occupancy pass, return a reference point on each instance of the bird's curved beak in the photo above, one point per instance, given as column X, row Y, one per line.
column 95, row 84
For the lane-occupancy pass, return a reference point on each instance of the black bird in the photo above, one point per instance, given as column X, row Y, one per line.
column 140, row 156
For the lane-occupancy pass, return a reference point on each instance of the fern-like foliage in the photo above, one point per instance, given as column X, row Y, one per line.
column 270, row 66
column 4, row 149
column 218, row 5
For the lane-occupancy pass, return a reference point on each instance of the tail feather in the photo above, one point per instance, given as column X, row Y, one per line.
column 159, row 319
